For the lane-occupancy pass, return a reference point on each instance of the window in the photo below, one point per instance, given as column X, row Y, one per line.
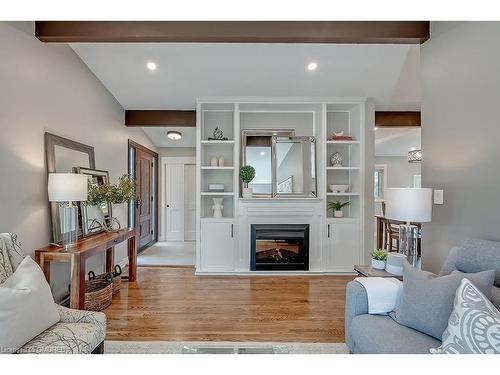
column 379, row 181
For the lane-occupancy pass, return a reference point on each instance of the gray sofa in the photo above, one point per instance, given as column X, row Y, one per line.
column 381, row 334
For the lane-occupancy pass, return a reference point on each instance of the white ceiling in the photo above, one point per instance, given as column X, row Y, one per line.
column 388, row 73
column 158, row 136
column 396, row 141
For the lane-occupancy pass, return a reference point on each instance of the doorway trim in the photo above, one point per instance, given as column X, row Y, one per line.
column 169, row 160
column 131, row 206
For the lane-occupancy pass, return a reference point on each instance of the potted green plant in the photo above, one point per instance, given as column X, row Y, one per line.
column 336, row 207
column 118, row 193
column 247, row 174
column 379, row 259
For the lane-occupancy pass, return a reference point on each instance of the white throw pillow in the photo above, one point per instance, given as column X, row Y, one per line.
column 27, row 307
column 474, row 324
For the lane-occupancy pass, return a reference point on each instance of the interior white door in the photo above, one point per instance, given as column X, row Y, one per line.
column 189, row 202
column 174, row 184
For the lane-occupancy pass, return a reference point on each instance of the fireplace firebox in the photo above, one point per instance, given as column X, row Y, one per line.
column 277, row 247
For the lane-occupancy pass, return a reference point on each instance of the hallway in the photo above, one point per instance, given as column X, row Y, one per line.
column 168, row 254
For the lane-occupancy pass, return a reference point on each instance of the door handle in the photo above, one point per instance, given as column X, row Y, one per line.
column 328, row 230
column 232, row 230
column 168, row 205
column 137, row 203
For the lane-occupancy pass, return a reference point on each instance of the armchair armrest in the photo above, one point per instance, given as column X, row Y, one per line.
column 82, row 316
column 356, row 304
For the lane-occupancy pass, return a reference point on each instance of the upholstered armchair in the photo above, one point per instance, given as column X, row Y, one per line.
column 78, row 331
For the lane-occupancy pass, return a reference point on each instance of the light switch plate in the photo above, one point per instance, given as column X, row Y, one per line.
column 438, row 197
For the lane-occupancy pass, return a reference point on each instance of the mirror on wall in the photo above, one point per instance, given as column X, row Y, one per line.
column 94, row 216
column 285, row 165
column 62, row 156
column 295, row 161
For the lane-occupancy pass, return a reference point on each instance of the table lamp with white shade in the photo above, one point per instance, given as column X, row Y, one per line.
column 411, row 205
column 67, row 188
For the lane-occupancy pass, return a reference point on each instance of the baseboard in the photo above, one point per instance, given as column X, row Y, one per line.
column 276, row 273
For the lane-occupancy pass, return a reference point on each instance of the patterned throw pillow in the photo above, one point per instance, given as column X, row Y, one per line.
column 5, row 266
column 474, row 324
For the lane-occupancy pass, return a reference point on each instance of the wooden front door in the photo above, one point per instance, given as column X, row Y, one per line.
column 144, row 196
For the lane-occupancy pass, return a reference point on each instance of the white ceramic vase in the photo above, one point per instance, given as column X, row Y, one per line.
column 218, row 207
column 221, row 161
column 213, row 161
column 339, row 213
column 247, row 192
column 378, row 264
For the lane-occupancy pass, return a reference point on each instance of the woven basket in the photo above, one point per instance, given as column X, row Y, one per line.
column 117, row 279
column 98, row 291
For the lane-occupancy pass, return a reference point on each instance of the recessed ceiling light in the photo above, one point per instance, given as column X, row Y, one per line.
column 376, row 127
column 174, row 135
column 262, row 153
column 312, row 66
column 151, row 65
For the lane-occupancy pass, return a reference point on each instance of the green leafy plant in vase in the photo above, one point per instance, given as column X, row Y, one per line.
column 121, row 192
column 336, row 207
column 379, row 259
column 247, row 174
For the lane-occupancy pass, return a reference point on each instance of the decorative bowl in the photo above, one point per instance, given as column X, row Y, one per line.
column 339, row 188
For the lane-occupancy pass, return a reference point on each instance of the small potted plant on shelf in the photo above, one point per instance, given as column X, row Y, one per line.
column 336, row 207
column 379, row 259
column 247, row 174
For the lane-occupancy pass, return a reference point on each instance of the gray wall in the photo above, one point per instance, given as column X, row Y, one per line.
column 461, row 134
column 176, row 151
column 399, row 171
column 46, row 87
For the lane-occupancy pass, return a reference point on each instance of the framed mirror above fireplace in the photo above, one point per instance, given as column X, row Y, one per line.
column 285, row 165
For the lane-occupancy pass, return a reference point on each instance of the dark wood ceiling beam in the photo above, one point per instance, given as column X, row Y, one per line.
column 187, row 118
column 393, row 32
column 160, row 118
column 397, row 118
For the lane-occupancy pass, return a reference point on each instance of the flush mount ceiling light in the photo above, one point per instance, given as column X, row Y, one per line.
column 151, row 65
column 312, row 66
column 262, row 153
column 174, row 135
column 415, row 156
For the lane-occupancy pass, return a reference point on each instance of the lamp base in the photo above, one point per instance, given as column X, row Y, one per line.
column 408, row 237
column 68, row 213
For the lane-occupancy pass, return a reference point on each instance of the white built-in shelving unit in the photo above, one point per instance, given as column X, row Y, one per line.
column 223, row 244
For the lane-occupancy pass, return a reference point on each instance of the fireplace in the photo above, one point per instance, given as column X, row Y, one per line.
column 277, row 247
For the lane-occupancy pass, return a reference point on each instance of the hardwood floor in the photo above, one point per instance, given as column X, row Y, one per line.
column 172, row 304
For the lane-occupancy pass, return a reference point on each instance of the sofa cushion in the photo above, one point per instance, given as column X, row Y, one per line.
column 474, row 325
column 5, row 266
column 27, row 307
column 66, row 338
column 378, row 334
column 479, row 255
column 427, row 300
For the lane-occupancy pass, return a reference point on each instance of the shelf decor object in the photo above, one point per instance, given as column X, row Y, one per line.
column 336, row 207
column 247, row 174
column 218, row 207
column 67, row 188
column 410, row 205
column 415, row 156
column 339, row 188
column 336, row 159
column 218, row 135
column 213, row 161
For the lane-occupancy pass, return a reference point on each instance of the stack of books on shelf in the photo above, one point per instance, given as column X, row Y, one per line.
column 335, row 137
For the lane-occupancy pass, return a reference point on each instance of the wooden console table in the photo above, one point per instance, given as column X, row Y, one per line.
column 85, row 248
